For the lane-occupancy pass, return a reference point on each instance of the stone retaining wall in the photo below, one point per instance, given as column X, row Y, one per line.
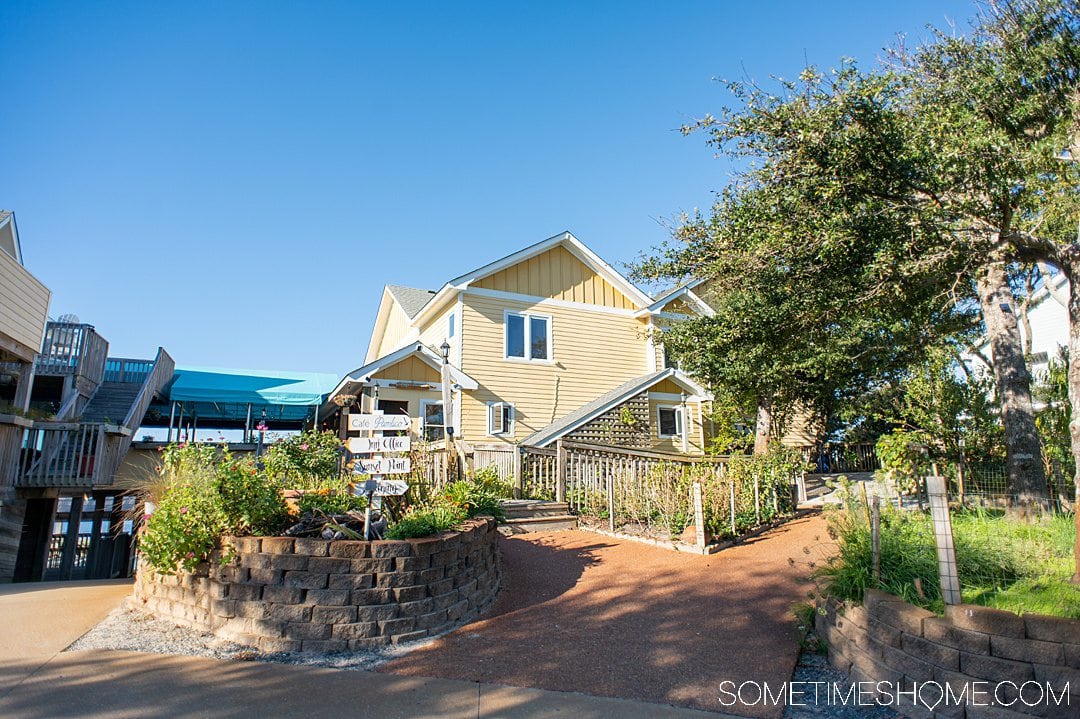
column 888, row 640
column 283, row 594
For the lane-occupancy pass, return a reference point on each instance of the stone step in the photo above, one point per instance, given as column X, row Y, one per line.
column 525, row 525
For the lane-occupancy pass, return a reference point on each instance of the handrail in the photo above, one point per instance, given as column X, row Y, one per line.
column 128, row 370
column 164, row 367
column 73, row 348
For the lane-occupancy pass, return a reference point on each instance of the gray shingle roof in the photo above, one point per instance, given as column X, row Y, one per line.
column 411, row 299
column 598, row 406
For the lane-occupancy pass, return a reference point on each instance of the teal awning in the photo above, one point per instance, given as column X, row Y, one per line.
column 255, row 387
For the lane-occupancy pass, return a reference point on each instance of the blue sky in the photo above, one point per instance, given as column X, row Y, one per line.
column 236, row 181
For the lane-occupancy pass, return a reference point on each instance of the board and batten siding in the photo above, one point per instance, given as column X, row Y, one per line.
column 397, row 326
column 24, row 306
column 559, row 275
column 410, row 369
column 592, row 352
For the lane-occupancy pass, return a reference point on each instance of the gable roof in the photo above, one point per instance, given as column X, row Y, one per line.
column 411, row 299
column 564, row 239
column 363, row 375
column 607, row 401
column 685, row 293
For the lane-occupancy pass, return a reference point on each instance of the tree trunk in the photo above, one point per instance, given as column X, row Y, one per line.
column 1023, row 455
column 1074, row 399
column 763, row 426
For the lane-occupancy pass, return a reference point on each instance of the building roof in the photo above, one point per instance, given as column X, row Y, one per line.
column 607, row 401
column 245, row 386
column 411, row 299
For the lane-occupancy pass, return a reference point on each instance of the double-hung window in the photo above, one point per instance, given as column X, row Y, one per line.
column 669, row 421
column 528, row 337
column 500, row 418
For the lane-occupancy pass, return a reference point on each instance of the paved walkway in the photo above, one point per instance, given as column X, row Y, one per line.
column 39, row 681
column 582, row 612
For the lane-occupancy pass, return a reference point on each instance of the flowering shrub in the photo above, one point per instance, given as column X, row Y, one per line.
column 309, row 460
column 207, row 494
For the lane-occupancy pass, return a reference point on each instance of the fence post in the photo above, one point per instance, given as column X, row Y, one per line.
column 875, row 536
column 731, row 492
column 757, row 499
column 611, row 501
column 699, row 516
column 519, row 479
column 943, row 539
column 560, row 472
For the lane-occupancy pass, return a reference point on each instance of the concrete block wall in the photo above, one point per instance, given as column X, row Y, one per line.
column 888, row 640
column 280, row 594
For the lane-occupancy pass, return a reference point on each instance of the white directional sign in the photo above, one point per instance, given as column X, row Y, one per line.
column 378, row 421
column 368, row 445
column 390, row 487
column 383, row 465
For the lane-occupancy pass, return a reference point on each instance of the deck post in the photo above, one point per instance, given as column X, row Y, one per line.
column 247, row 424
column 560, row 472
column 172, row 418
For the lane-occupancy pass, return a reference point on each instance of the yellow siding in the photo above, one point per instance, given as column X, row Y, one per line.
column 438, row 329
column 680, row 307
column 24, row 304
column 559, row 275
column 410, row 369
column 674, row 444
column 593, row 352
column 397, row 325
column 802, row 430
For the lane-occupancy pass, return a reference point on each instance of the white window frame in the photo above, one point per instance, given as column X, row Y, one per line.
column 526, row 317
column 424, row 403
column 508, row 428
column 680, row 421
column 450, row 325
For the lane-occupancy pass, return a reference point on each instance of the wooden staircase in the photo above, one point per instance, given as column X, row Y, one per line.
column 536, row 515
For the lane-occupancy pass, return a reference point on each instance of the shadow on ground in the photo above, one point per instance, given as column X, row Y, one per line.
column 583, row 613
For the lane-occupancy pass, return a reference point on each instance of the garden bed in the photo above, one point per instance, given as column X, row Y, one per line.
column 282, row 594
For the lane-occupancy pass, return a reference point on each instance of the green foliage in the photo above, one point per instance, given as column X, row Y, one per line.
column 772, row 472
column 904, row 460
column 487, row 480
column 1052, row 422
column 330, row 502
column 1002, row 562
column 424, row 521
column 472, row 499
column 309, row 460
column 207, row 493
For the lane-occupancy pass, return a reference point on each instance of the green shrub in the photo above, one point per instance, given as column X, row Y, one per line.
column 207, row 493
column 471, row 499
column 331, row 502
column 426, row 521
column 487, row 480
column 309, row 460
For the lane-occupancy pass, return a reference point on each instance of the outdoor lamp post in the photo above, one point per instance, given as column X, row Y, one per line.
column 447, row 407
column 262, row 433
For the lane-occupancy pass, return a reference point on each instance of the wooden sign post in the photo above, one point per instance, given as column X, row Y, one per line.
column 378, row 465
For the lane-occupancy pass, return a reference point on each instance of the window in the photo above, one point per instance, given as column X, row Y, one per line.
column 528, row 337
column 434, row 424
column 450, row 325
column 669, row 421
column 500, row 418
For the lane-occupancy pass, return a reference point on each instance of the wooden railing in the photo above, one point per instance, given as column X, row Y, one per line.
column 68, row 454
column 129, row 371
column 501, row 457
column 538, row 474
column 12, row 429
column 838, row 458
column 75, row 349
column 156, row 379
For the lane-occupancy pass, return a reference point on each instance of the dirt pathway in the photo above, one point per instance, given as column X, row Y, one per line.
column 582, row 612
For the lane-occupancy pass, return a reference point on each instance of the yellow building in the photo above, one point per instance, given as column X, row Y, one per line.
column 549, row 342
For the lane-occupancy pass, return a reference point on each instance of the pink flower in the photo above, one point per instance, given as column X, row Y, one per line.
column 183, row 510
column 304, row 445
column 191, row 555
column 146, row 517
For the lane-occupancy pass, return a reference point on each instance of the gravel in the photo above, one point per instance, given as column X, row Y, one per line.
column 130, row 630
column 814, row 667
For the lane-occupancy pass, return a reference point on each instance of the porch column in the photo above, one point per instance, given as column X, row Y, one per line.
column 26, row 382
